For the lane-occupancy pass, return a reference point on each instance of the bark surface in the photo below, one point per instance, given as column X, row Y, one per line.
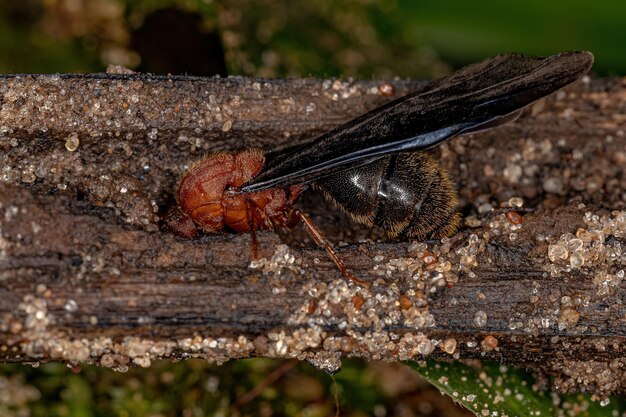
column 89, row 164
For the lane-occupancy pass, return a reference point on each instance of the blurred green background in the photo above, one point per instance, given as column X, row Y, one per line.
column 363, row 38
column 268, row 38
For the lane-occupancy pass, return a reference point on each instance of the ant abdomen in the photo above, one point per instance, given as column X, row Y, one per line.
column 405, row 194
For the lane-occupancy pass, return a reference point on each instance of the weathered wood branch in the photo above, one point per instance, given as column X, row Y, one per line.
column 86, row 275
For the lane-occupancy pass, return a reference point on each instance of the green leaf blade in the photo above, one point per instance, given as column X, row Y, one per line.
column 495, row 390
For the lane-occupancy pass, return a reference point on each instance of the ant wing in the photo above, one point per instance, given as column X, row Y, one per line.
column 477, row 97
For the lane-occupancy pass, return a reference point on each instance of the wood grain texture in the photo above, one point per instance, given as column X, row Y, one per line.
column 89, row 165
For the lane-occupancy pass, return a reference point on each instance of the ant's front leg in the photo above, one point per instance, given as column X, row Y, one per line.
column 252, row 226
column 317, row 236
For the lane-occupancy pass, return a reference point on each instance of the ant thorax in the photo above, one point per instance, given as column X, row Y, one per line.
column 208, row 194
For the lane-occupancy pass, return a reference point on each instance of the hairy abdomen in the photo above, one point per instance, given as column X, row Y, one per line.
column 405, row 194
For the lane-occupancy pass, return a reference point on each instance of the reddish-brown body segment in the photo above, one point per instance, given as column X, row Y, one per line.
column 203, row 195
column 207, row 199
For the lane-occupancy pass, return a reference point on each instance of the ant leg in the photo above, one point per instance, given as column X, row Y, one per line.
column 321, row 241
column 255, row 244
column 252, row 226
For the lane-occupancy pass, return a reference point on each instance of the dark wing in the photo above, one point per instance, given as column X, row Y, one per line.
column 477, row 97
